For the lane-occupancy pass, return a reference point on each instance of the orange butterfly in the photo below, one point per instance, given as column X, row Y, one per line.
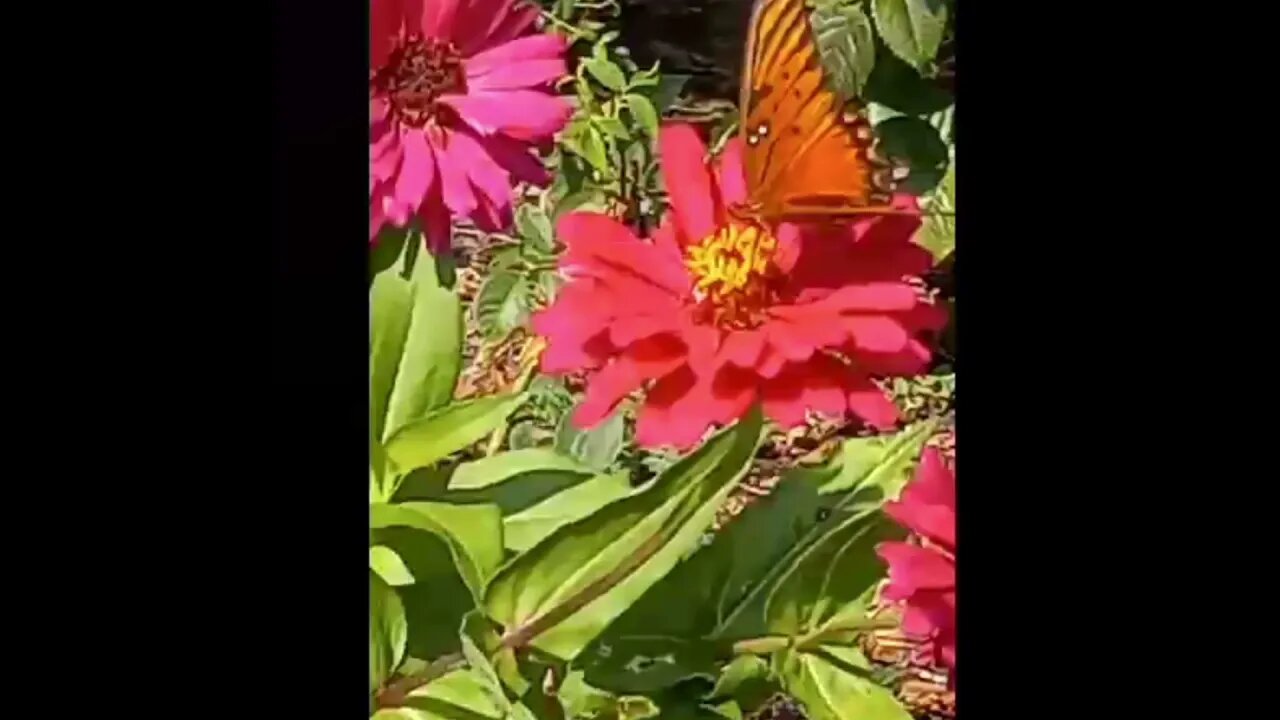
column 809, row 156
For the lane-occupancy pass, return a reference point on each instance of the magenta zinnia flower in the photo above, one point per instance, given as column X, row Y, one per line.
column 922, row 574
column 459, row 93
column 712, row 315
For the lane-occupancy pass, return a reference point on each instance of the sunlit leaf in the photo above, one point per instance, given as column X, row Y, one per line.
column 911, row 28
column 504, row 466
column 384, row 561
column 448, row 430
column 606, row 72
column 644, row 112
column 593, row 148
column 535, row 226
column 502, row 304
column 938, row 233
column 524, row 529
column 568, row 588
column 846, row 46
column 595, row 447
column 472, row 532
column 387, row 631
column 834, row 684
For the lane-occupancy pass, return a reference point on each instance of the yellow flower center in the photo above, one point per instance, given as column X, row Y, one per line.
column 732, row 269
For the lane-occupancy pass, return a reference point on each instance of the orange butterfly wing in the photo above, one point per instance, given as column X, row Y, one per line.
column 806, row 151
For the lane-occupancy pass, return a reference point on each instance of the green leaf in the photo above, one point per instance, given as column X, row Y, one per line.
column 568, row 588
column 472, row 532
column 835, row 684
column 846, row 46
column 896, row 85
column 595, row 447
column 669, row 88
column 917, row 142
column 462, row 694
column 644, row 112
column 606, row 72
column 387, row 631
column 593, row 148
column 448, row 430
column 505, row 466
column 524, row 529
column 938, row 233
column 384, row 561
column 742, row 670
column 723, row 588
column 535, row 226
column 612, row 126
column 502, row 304
column 648, row 663
column 911, row 28
column 391, row 301
column 387, row 249
column 432, row 356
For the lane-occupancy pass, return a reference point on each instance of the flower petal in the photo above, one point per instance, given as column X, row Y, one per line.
column 607, row 248
column 417, row 170
column 523, row 63
column 570, row 325
column 877, row 333
column 913, row 568
column 643, row 361
column 523, row 114
column 489, row 23
column 515, row 158
column 385, row 19
column 671, row 414
column 438, row 17
column 688, row 180
column 457, row 191
column 731, row 174
column 437, row 228
column 869, row 403
column 486, row 176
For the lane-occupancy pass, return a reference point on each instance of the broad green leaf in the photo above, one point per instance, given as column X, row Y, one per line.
column 917, row 142
column 387, row 631
column 384, row 561
column 535, row 227
column 895, row 84
column 472, row 532
column 568, row 588
column 387, row 249
column 938, row 233
column 834, row 684
column 524, row 529
column 608, row 73
column 612, row 126
column 448, row 430
column 462, row 694
column 644, row 113
column 729, row 710
column 911, row 28
column 647, row 663
column 742, row 670
column 595, row 447
column 502, row 304
column 722, row 589
column 391, row 304
column 431, row 358
column 593, row 149
column 504, row 466
column 846, row 46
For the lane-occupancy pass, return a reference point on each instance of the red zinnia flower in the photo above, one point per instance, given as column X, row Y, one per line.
column 458, row 93
column 714, row 315
column 923, row 575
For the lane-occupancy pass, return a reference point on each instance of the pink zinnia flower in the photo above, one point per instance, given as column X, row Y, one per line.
column 714, row 315
column 922, row 575
column 458, row 94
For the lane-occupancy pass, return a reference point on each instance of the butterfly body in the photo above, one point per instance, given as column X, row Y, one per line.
column 808, row 154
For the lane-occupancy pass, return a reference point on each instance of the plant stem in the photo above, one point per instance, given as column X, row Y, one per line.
column 395, row 694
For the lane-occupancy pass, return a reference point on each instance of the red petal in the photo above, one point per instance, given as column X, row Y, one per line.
column 869, row 403
column 913, row 568
column 731, row 174
column 671, row 415
column 688, row 180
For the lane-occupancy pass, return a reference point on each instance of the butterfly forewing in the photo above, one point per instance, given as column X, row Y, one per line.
column 805, row 148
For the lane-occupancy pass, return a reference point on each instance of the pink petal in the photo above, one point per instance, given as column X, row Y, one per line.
column 936, row 522
column 417, row 171
column 782, row 397
column 458, row 194
column 570, row 324
column 438, row 18
column 877, row 333
column 688, row 180
column 486, row 176
column 743, row 348
column 644, row 361
column 607, row 248
column 493, row 22
column 731, row 174
column 385, row 19
column 731, row 393
column 910, row 360
column 824, row 386
column 526, row 62
column 913, row 568
column 869, row 403
column 671, row 414
column 515, row 158
column 627, row 329
column 436, row 226
column 524, row 114
column 790, row 340
column 383, row 166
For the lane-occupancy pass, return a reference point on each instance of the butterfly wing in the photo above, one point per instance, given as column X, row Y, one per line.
column 806, row 150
